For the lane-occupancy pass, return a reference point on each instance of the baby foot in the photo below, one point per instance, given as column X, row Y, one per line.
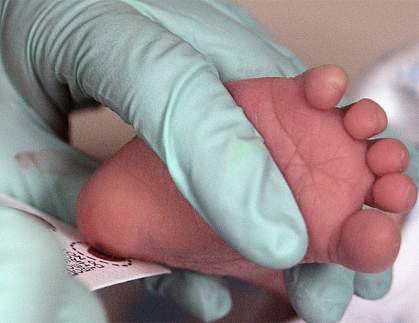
column 329, row 166
column 320, row 150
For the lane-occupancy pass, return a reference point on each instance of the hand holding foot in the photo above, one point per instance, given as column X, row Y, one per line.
column 320, row 150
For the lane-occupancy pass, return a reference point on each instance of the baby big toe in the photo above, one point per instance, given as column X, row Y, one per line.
column 369, row 242
column 324, row 86
column 395, row 193
column 387, row 156
column 364, row 119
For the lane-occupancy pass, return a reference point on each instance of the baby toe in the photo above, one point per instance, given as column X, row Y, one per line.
column 395, row 193
column 369, row 242
column 364, row 119
column 386, row 156
column 324, row 86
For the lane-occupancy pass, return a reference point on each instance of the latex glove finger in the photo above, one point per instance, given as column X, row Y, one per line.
column 32, row 273
column 107, row 51
column 80, row 305
column 236, row 44
column 373, row 286
column 204, row 297
column 320, row 293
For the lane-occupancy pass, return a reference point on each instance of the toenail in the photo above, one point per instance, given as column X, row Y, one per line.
column 403, row 156
column 411, row 193
column 410, row 197
column 336, row 84
column 381, row 119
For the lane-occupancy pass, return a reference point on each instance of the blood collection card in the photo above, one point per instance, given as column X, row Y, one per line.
column 94, row 269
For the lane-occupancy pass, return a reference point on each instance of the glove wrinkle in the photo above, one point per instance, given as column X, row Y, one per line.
column 165, row 118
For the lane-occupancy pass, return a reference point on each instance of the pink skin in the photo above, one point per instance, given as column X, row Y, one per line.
column 131, row 208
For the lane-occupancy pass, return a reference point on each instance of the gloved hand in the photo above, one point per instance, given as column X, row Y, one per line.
column 43, row 170
column 35, row 286
column 160, row 65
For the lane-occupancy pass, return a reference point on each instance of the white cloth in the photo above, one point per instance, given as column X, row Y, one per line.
column 393, row 82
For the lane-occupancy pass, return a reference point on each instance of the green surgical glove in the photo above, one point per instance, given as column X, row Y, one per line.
column 70, row 53
column 35, row 285
column 44, row 171
column 320, row 293
column 160, row 65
